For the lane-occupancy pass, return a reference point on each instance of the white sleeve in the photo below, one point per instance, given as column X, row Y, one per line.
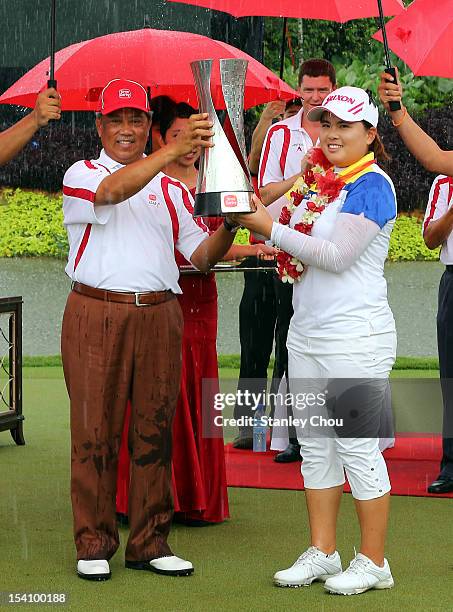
column 80, row 184
column 352, row 235
column 190, row 235
column 270, row 163
column 437, row 200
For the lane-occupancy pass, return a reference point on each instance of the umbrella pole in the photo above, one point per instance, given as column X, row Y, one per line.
column 51, row 81
column 394, row 106
column 282, row 50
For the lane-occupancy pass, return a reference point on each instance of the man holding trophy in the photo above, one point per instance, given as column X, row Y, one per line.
column 121, row 335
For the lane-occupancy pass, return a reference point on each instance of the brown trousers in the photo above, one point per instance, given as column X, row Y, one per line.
column 111, row 353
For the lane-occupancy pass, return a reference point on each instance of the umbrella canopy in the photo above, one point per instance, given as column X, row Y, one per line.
column 422, row 37
column 331, row 10
column 158, row 59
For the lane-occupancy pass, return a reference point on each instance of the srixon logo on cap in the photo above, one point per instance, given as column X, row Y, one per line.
column 340, row 98
column 230, row 201
column 125, row 93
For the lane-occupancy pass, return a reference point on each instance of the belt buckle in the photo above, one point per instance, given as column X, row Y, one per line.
column 137, row 298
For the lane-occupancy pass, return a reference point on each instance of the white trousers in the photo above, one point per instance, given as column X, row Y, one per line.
column 312, row 363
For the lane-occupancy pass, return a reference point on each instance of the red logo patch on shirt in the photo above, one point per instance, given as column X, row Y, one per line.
column 152, row 197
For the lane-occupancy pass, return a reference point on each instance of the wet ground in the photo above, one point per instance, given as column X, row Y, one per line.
column 412, row 289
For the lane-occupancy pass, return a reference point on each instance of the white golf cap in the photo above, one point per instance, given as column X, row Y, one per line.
column 349, row 104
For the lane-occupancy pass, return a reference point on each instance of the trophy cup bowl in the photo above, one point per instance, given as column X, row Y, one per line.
column 224, row 184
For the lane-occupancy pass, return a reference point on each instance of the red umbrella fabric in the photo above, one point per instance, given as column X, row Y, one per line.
column 331, row 10
column 422, row 37
column 159, row 59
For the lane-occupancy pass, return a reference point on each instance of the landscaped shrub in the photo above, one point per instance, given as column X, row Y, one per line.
column 31, row 224
column 406, row 242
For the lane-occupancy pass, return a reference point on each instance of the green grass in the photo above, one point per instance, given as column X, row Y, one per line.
column 232, row 362
column 234, row 561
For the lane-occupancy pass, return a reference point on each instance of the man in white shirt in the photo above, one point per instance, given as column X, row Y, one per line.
column 438, row 231
column 121, row 335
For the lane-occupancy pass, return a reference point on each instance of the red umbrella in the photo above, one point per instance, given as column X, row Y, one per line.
column 422, row 37
column 159, row 59
column 331, row 10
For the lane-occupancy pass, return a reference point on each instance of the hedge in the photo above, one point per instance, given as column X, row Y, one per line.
column 31, row 224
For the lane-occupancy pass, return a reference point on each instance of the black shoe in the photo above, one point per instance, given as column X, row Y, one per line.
column 243, row 441
column 122, row 519
column 290, row 454
column 441, row 485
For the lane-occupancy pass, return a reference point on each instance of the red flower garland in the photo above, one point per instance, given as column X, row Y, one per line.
column 326, row 185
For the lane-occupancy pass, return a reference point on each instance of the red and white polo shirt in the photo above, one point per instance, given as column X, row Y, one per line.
column 127, row 246
column 284, row 147
column 439, row 201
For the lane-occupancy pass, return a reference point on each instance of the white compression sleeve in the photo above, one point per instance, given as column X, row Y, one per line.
column 352, row 235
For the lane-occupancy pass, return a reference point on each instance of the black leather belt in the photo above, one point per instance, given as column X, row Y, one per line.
column 148, row 298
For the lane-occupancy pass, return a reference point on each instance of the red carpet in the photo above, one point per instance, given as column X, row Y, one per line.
column 412, row 464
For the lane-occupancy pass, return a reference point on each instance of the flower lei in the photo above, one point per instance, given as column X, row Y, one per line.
column 324, row 186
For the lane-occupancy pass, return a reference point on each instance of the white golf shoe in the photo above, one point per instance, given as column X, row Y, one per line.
column 96, row 569
column 312, row 565
column 361, row 575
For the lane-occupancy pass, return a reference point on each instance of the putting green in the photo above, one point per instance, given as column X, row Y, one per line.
column 234, row 562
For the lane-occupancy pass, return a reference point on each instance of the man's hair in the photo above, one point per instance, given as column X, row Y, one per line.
column 162, row 106
column 317, row 68
column 182, row 110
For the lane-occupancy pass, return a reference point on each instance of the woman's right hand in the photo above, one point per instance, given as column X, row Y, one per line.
column 258, row 222
column 388, row 90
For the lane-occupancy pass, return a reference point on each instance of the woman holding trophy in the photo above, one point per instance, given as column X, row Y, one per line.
column 334, row 235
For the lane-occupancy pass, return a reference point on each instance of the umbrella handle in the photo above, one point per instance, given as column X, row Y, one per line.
column 393, row 105
column 51, row 83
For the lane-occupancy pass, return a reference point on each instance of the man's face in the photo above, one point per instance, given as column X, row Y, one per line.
column 313, row 90
column 124, row 134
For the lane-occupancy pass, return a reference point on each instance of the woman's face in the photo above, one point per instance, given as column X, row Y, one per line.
column 173, row 132
column 344, row 142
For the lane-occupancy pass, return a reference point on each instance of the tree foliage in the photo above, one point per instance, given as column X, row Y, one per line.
column 358, row 58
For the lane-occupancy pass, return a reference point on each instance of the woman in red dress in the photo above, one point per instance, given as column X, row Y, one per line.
column 199, row 479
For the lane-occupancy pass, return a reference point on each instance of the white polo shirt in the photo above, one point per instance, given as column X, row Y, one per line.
column 284, row 147
column 439, row 201
column 127, row 246
column 352, row 303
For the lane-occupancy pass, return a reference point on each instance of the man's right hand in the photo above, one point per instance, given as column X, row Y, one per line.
column 47, row 107
column 198, row 133
column 273, row 109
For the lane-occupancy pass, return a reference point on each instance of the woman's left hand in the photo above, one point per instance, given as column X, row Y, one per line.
column 259, row 222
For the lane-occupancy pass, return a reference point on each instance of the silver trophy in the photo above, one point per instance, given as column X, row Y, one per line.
column 224, row 184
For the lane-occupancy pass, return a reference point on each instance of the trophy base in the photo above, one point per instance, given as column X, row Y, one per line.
column 222, row 203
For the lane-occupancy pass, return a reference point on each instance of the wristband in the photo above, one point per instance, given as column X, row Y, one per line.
column 229, row 226
column 397, row 124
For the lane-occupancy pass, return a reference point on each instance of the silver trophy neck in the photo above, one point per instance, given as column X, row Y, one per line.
column 232, row 75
